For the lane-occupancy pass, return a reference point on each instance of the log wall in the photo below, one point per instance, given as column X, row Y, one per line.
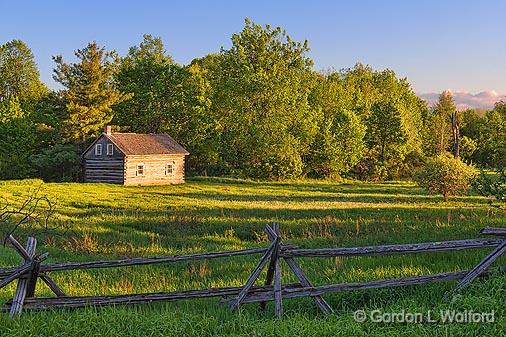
column 103, row 168
column 154, row 170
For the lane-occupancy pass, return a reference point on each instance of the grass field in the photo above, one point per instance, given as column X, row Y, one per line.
column 211, row 214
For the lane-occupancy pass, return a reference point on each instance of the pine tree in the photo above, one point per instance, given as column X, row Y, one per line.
column 89, row 92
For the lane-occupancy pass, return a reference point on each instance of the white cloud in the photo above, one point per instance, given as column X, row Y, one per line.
column 464, row 100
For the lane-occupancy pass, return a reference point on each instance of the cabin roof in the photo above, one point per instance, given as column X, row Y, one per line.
column 142, row 144
column 145, row 144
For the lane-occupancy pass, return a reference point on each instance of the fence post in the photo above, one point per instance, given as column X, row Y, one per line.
column 481, row 267
column 254, row 276
column 303, row 279
column 278, row 296
column 21, row 290
column 272, row 264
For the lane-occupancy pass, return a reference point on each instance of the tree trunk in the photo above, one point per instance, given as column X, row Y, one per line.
column 456, row 134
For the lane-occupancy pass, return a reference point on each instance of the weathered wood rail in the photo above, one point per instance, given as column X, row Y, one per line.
column 32, row 269
column 138, row 261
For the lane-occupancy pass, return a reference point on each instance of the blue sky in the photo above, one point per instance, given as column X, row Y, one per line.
column 436, row 44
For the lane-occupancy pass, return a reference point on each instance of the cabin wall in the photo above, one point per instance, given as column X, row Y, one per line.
column 104, row 168
column 154, row 170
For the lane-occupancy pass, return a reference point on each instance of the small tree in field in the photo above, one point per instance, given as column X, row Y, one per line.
column 445, row 175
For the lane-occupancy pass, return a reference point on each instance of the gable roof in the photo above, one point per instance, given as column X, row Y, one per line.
column 142, row 144
column 146, row 144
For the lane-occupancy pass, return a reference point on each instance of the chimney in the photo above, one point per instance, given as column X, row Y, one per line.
column 107, row 130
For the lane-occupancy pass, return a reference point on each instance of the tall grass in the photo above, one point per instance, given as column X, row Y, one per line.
column 210, row 214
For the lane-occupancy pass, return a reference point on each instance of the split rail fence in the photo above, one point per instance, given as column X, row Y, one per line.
column 32, row 269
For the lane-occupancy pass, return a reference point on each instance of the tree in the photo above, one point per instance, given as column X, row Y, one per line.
column 385, row 135
column 58, row 163
column 89, row 93
column 339, row 143
column 171, row 98
column 19, row 76
column 467, row 148
column 492, row 185
column 441, row 132
column 17, row 141
column 374, row 95
column 471, row 120
column 149, row 74
column 491, row 140
column 500, row 107
column 195, row 122
column 445, row 175
column 263, row 98
column 455, row 121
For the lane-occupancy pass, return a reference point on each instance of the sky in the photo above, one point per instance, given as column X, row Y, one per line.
column 437, row 45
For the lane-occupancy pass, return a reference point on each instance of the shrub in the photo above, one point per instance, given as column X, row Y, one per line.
column 58, row 163
column 445, row 175
column 493, row 185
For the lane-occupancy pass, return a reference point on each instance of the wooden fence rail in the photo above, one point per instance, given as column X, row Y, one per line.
column 138, row 261
column 32, row 269
column 393, row 249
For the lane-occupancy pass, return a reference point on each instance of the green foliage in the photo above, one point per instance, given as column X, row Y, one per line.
column 500, row 107
column 268, row 123
column 256, row 109
column 471, row 120
column 393, row 115
column 17, row 141
column 492, row 185
column 491, row 140
column 385, row 136
column 196, row 123
column 89, row 92
column 58, row 163
column 10, row 110
column 19, row 76
column 445, row 175
column 215, row 214
column 152, row 79
column 467, row 147
column 438, row 134
column 170, row 98
column 486, row 130
column 339, row 144
column 20, row 90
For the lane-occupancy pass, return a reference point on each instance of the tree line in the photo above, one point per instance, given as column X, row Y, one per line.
column 257, row 109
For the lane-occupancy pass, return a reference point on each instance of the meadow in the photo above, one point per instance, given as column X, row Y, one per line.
column 210, row 214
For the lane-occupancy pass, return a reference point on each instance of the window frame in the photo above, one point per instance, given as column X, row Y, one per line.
column 98, row 149
column 171, row 174
column 111, row 147
column 143, row 170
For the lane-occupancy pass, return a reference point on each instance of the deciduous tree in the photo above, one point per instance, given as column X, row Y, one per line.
column 445, row 175
column 19, row 76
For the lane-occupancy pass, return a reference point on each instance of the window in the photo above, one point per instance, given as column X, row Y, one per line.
column 110, row 149
column 140, row 170
column 169, row 169
column 98, row 150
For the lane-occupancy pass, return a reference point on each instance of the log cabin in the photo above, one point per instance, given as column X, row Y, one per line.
column 134, row 159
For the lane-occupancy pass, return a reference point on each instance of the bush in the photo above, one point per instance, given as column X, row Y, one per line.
column 445, row 175
column 58, row 163
column 412, row 162
column 493, row 185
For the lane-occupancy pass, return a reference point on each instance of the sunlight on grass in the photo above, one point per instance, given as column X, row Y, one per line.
column 213, row 214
